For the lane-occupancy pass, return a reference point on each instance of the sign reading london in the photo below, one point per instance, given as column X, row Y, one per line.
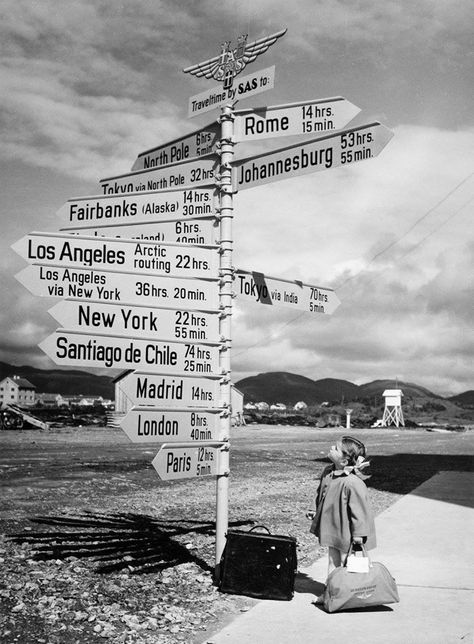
column 323, row 153
column 158, row 425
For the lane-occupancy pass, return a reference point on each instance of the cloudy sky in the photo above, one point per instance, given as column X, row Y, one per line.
column 88, row 84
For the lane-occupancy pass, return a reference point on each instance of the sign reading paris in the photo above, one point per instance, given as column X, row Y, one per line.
column 230, row 62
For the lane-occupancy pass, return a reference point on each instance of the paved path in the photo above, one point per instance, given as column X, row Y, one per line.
column 426, row 541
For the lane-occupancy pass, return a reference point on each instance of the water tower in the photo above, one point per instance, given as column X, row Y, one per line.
column 393, row 414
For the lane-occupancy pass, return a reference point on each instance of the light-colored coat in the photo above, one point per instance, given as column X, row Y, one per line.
column 342, row 511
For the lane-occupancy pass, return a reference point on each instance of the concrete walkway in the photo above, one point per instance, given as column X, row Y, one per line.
column 426, row 542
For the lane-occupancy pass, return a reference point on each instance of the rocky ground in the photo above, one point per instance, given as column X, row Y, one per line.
column 94, row 547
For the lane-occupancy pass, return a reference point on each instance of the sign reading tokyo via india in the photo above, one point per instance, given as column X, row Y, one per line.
column 331, row 151
column 309, row 117
column 144, row 207
column 273, row 291
column 77, row 349
column 171, row 425
column 120, row 288
column 151, row 389
column 125, row 255
column 199, row 171
column 195, row 144
column 187, row 462
column 137, row 321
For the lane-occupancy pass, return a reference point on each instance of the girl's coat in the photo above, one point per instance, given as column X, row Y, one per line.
column 342, row 511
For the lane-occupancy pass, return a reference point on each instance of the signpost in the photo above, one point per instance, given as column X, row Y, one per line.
column 188, row 461
column 323, row 153
column 307, row 117
column 137, row 321
column 72, row 348
column 141, row 207
column 279, row 292
column 122, row 255
column 121, row 288
column 161, row 425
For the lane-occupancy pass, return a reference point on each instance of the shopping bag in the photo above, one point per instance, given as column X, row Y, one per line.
column 346, row 590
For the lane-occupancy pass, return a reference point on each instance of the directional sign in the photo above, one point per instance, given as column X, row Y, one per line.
column 331, row 151
column 151, row 389
column 171, row 425
column 187, row 462
column 137, row 321
column 273, row 291
column 309, row 117
column 202, row 230
column 247, row 86
column 123, row 255
column 77, row 349
column 195, row 172
column 121, row 288
column 140, row 207
column 194, row 144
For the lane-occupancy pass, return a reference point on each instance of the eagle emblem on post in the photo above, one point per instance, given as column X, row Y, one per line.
column 231, row 62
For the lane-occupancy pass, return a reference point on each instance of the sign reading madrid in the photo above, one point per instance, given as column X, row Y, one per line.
column 151, row 389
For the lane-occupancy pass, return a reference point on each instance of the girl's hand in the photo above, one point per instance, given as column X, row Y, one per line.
column 310, row 514
column 358, row 540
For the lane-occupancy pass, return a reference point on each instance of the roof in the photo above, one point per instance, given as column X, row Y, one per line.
column 393, row 392
column 22, row 383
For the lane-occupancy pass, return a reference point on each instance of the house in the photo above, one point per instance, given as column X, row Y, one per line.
column 278, row 407
column 17, row 391
column 300, row 406
column 51, row 400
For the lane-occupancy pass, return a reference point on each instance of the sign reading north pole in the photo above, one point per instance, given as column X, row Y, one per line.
column 121, row 288
column 142, row 207
column 279, row 292
column 323, row 153
column 124, row 255
column 137, row 321
column 187, row 462
column 144, row 425
column 308, row 117
column 72, row 348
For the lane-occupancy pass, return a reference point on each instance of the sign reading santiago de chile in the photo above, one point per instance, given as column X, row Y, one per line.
column 137, row 321
column 144, row 425
column 73, row 348
column 186, row 462
column 199, row 171
column 194, row 144
column 122, row 255
column 279, row 292
column 142, row 207
column 307, row 117
column 323, row 153
column 147, row 389
column 121, row 288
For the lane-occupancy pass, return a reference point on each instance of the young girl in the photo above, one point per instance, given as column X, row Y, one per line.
column 342, row 513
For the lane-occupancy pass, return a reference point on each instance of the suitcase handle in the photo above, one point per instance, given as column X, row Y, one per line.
column 260, row 526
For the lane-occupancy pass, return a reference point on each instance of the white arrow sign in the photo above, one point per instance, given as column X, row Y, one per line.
column 331, row 151
column 309, row 117
column 195, row 172
column 144, row 425
column 141, row 207
column 194, row 144
column 137, row 321
column 83, row 350
column 273, row 291
column 121, row 288
column 203, row 231
column 187, row 462
column 247, row 86
column 119, row 255
column 152, row 389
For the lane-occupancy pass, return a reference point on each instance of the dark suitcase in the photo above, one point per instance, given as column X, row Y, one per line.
column 258, row 564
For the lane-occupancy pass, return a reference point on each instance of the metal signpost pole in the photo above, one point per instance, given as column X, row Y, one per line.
column 226, row 274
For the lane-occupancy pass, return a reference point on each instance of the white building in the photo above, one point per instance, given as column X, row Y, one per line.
column 393, row 413
column 17, row 391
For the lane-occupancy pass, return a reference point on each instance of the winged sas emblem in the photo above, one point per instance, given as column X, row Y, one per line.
column 231, row 62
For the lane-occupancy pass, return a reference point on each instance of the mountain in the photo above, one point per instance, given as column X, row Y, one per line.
column 59, row 381
column 289, row 388
column 410, row 390
column 466, row 399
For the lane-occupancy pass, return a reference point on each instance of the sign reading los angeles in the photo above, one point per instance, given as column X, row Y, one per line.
column 323, row 153
column 124, row 255
column 171, row 425
column 187, row 462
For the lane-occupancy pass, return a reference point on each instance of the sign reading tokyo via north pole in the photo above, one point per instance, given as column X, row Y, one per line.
column 279, row 292
column 123, row 255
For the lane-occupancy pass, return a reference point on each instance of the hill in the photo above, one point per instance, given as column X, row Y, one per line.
column 466, row 399
column 58, row 381
column 410, row 390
